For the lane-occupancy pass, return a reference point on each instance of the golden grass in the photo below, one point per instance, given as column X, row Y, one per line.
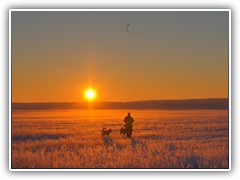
column 161, row 139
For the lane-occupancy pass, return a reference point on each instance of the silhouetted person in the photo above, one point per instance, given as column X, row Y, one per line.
column 128, row 124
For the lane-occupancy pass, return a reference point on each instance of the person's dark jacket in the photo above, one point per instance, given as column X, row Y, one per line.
column 128, row 120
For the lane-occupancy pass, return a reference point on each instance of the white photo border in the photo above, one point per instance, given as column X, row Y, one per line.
column 118, row 169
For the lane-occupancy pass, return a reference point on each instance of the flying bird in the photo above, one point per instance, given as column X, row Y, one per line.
column 127, row 30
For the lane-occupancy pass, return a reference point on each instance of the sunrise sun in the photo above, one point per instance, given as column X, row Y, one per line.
column 90, row 94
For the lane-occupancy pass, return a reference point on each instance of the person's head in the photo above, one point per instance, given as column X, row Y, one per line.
column 129, row 114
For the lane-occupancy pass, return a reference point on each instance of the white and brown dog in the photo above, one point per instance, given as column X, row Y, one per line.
column 106, row 132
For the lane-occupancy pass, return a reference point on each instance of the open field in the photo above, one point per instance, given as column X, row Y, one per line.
column 161, row 139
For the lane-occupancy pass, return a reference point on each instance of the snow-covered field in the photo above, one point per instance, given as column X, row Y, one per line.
column 161, row 139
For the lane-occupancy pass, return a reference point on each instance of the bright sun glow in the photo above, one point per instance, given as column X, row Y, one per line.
column 90, row 94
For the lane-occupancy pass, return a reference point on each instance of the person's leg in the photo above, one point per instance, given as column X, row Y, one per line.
column 130, row 132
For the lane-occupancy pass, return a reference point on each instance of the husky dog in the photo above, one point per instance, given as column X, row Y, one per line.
column 106, row 132
column 123, row 131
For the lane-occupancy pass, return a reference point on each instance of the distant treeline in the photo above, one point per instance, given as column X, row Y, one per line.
column 187, row 104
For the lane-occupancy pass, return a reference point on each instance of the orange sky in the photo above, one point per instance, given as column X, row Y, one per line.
column 165, row 55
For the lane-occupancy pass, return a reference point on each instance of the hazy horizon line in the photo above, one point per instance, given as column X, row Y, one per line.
column 120, row 101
